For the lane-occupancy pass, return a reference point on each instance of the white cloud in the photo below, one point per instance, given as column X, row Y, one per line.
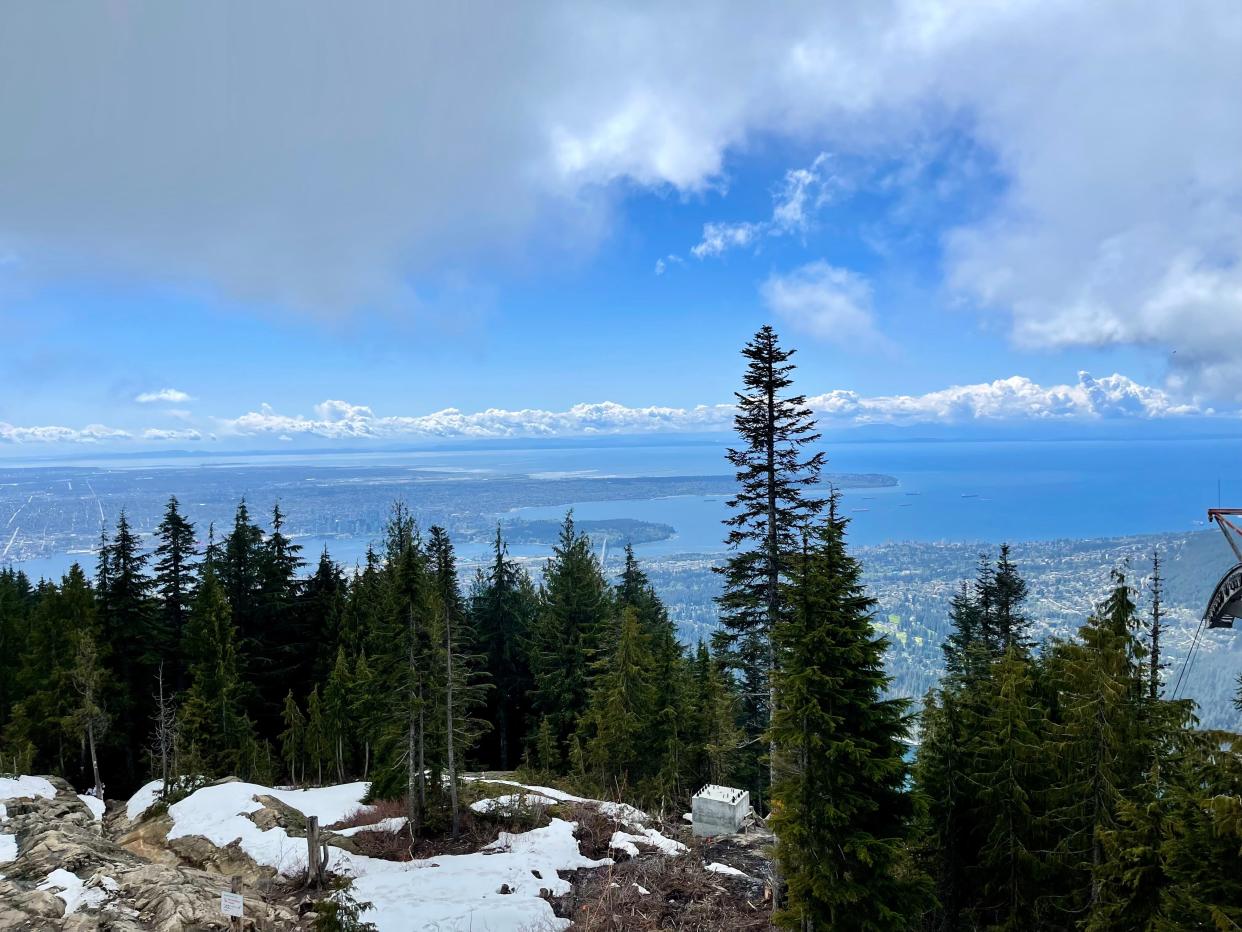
column 1013, row 399
column 802, row 193
column 829, row 303
column 171, row 396
column 92, row 433
column 1119, row 220
column 156, row 433
column 719, row 238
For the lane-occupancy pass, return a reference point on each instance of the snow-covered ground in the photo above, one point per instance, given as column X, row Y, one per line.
column 449, row 892
column 96, row 806
column 18, row 788
column 76, row 894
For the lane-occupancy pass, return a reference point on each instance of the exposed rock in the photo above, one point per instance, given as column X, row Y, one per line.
column 143, row 883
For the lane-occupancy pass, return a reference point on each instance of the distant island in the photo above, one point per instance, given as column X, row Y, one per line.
column 613, row 530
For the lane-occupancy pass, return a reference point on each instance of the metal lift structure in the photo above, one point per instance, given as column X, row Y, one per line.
column 1225, row 605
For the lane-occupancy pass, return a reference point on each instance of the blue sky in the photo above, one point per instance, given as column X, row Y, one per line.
column 943, row 225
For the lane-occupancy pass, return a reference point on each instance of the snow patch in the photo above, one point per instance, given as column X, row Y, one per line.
column 76, row 894
column 625, row 841
column 26, row 788
column 8, row 848
column 218, row 813
column 452, row 892
column 717, row 868
column 383, row 825
column 96, row 806
column 511, row 803
column 143, row 800
column 622, row 812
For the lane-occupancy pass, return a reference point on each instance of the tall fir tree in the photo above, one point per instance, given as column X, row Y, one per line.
column 565, row 639
column 174, row 585
column 213, row 714
column 775, row 473
column 128, row 616
column 622, row 707
column 503, row 606
column 461, row 690
column 841, row 810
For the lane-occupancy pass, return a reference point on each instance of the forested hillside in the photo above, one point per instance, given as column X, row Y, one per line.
column 1058, row 782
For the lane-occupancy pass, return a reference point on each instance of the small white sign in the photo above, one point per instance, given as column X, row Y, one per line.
column 231, row 904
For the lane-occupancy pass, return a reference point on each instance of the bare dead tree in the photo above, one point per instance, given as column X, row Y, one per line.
column 89, row 717
column 164, row 736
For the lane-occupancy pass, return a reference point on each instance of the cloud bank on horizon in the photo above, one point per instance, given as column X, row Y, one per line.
column 301, row 137
column 1015, row 399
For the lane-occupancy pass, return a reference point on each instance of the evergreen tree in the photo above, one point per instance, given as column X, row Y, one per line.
column 16, row 603
column 714, row 736
column 841, row 813
column 1008, row 767
column 293, row 740
column 338, row 712
column 174, row 584
column 574, row 609
column 503, row 605
column 1104, row 743
column 213, row 716
column 408, row 657
column 318, row 740
column 462, row 693
column 368, row 709
column 238, row 564
column 89, row 718
column 770, row 508
column 128, row 617
column 664, row 744
column 1002, row 594
column 622, row 706
column 279, row 639
column 42, row 719
column 1155, row 660
column 324, row 602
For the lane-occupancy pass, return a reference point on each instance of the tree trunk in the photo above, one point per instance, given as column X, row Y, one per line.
column 502, row 725
column 773, row 597
column 90, row 738
column 411, row 749
column 448, row 714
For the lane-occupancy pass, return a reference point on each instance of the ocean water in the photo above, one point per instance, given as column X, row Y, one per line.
column 987, row 491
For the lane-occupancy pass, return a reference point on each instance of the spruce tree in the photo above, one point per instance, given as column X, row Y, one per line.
column 574, row 609
column 89, row 719
column 174, row 584
column 128, row 616
column 622, row 706
column 1104, row 743
column 213, row 714
column 841, row 812
column 237, row 563
column 293, row 740
column 462, row 692
column 338, row 712
column 503, row 605
column 368, row 709
column 318, row 741
column 280, row 637
column 1008, row 766
column 774, row 472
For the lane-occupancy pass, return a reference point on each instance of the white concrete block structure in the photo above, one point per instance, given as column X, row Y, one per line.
column 718, row 810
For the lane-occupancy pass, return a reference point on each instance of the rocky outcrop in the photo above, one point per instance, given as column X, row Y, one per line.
column 71, row 877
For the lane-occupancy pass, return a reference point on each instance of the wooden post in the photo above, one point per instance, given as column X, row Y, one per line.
column 235, row 886
column 313, row 873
